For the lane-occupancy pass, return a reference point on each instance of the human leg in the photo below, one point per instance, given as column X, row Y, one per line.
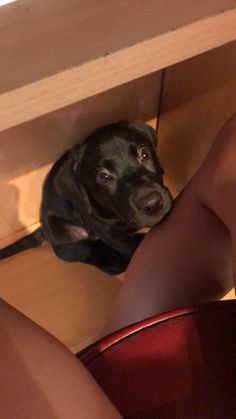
column 40, row 378
column 187, row 258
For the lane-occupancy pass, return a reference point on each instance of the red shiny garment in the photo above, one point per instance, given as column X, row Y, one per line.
column 178, row 365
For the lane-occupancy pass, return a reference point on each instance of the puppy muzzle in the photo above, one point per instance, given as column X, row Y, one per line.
column 151, row 203
column 152, row 206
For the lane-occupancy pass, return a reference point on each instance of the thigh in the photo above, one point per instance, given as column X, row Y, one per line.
column 187, row 259
column 40, row 378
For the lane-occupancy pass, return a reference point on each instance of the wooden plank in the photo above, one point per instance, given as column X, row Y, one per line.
column 69, row 300
column 199, row 96
column 27, row 151
column 74, row 49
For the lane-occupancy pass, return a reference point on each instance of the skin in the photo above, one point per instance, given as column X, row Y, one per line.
column 40, row 378
column 187, row 259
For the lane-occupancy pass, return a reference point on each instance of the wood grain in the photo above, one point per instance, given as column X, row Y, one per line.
column 69, row 300
column 74, row 49
column 199, row 96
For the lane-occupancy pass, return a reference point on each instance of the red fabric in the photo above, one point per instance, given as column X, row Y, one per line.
column 179, row 365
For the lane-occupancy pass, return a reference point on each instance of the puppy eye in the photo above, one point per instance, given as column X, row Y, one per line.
column 103, row 178
column 145, row 153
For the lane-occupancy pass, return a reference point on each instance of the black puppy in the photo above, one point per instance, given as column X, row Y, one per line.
column 98, row 194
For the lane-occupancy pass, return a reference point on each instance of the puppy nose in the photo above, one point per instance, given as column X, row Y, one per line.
column 150, row 204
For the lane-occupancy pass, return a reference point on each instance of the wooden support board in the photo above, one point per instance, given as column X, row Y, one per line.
column 57, row 53
column 198, row 97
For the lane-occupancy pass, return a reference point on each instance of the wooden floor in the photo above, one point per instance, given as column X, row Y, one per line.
column 68, row 300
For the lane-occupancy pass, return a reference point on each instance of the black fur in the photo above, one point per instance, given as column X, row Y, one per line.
column 98, row 194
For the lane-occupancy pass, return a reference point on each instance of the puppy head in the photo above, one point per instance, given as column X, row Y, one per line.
column 119, row 168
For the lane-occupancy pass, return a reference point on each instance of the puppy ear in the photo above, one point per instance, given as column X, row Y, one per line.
column 77, row 153
column 63, row 232
column 146, row 130
column 80, row 194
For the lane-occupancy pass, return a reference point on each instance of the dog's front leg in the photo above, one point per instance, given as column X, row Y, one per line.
column 113, row 256
column 126, row 247
column 108, row 259
column 70, row 242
